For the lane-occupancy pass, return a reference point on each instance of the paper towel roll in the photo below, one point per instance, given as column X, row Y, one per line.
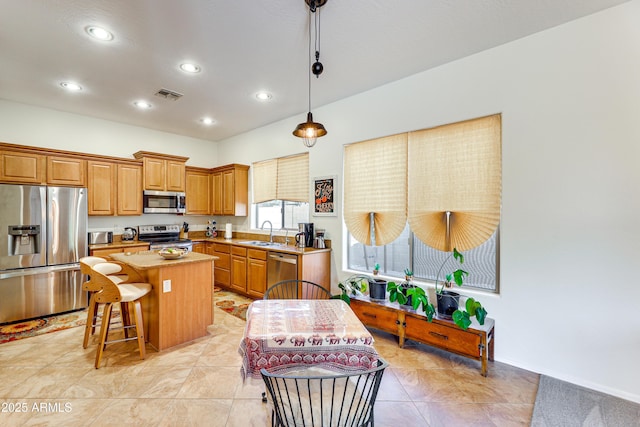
column 227, row 231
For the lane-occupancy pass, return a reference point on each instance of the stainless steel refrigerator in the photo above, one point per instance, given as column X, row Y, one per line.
column 43, row 235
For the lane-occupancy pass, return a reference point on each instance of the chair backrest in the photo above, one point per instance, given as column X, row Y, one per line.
column 105, row 282
column 296, row 289
column 87, row 262
column 318, row 397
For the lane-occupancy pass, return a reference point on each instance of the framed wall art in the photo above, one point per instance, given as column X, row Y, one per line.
column 324, row 202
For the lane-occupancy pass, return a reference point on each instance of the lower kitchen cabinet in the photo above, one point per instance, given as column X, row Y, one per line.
column 200, row 247
column 221, row 266
column 256, row 272
column 239, row 269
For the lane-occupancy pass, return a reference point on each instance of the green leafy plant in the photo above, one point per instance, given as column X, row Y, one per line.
column 420, row 299
column 456, row 276
column 351, row 286
column 462, row 318
column 376, row 268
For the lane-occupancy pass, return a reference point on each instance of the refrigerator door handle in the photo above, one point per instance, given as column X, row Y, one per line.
column 6, row 274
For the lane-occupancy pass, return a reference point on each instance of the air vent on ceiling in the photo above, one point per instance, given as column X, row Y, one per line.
column 168, row 94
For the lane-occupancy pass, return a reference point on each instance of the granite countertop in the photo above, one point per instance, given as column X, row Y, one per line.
column 150, row 259
column 119, row 244
column 274, row 248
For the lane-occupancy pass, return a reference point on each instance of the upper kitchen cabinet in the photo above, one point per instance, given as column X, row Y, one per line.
column 230, row 190
column 162, row 172
column 198, row 191
column 114, row 187
column 101, row 187
column 22, row 167
column 66, row 171
column 129, row 189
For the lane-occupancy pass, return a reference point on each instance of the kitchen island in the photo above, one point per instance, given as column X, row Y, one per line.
column 180, row 305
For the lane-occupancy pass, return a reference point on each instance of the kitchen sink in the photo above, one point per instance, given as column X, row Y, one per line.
column 262, row 243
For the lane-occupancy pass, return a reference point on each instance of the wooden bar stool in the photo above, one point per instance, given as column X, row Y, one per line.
column 119, row 274
column 112, row 290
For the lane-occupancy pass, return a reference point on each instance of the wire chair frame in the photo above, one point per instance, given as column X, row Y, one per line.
column 296, row 289
column 324, row 400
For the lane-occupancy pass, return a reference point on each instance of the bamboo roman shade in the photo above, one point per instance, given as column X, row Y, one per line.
column 455, row 169
column 375, row 189
column 285, row 178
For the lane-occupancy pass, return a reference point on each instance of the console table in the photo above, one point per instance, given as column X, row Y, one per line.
column 475, row 342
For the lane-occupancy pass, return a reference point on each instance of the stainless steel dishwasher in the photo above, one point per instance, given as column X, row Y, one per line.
column 281, row 266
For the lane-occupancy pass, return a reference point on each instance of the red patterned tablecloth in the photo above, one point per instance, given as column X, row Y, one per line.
column 285, row 334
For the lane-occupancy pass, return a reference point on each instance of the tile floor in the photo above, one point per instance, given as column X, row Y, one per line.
column 51, row 379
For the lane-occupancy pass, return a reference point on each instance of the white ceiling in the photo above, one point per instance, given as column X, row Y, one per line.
column 243, row 46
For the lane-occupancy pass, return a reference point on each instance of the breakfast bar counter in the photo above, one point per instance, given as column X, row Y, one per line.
column 180, row 305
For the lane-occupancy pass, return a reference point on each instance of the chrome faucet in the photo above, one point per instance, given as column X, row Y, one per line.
column 270, row 230
column 286, row 237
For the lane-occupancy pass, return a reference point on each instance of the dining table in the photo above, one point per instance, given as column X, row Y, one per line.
column 282, row 335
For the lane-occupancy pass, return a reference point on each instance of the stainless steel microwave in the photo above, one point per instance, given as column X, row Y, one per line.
column 163, row 202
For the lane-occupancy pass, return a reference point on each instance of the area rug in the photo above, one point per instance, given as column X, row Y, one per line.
column 31, row 328
column 563, row 404
column 231, row 303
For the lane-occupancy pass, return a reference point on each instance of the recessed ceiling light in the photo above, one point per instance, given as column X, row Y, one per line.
column 188, row 67
column 263, row 96
column 143, row 105
column 99, row 33
column 207, row 121
column 71, row 87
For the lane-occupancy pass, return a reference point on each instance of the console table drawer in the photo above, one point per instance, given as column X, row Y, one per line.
column 450, row 338
column 376, row 316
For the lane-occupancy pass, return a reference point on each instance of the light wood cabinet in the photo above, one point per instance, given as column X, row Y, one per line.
column 162, row 172
column 101, row 188
column 230, row 190
column 129, row 189
column 477, row 342
column 239, row 269
column 222, row 266
column 66, row 171
column 198, row 191
column 256, row 272
column 114, row 188
column 200, row 247
column 21, row 167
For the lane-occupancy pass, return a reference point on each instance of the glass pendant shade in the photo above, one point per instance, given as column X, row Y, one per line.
column 309, row 131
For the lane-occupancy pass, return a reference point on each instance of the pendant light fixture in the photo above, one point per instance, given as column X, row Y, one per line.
column 310, row 131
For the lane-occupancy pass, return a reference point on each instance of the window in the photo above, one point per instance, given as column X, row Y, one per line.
column 281, row 213
column 410, row 198
column 408, row 252
column 281, row 191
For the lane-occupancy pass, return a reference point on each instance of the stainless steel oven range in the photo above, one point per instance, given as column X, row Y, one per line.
column 163, row 236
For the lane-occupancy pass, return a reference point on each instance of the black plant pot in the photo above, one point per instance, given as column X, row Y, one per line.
column 447, row 303
column 378, row 289
column 409, row 302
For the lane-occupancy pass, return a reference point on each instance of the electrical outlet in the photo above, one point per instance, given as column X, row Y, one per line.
column 166, row 285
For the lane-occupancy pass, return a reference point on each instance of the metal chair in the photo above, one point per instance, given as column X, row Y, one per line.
column 296, row 289
column 318, row 397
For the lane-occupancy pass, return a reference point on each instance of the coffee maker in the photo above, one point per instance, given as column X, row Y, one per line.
column 304, row 238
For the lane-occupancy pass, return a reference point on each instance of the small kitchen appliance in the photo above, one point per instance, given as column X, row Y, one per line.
column 129, row 234
column 307, row 229
column 100, row 237
column 318, row 242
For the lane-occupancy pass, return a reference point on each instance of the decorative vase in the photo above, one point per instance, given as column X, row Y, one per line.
column 447, row 303
column 378, row 289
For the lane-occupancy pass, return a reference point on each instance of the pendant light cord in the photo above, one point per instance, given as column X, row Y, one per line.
column 309, row 58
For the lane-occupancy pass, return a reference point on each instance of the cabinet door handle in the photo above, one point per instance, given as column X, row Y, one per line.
column 437, row 335
column 364, row 313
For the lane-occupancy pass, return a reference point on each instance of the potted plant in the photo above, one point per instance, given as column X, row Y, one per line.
column 448, row 301
column 401, row 292
column 376, row 269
